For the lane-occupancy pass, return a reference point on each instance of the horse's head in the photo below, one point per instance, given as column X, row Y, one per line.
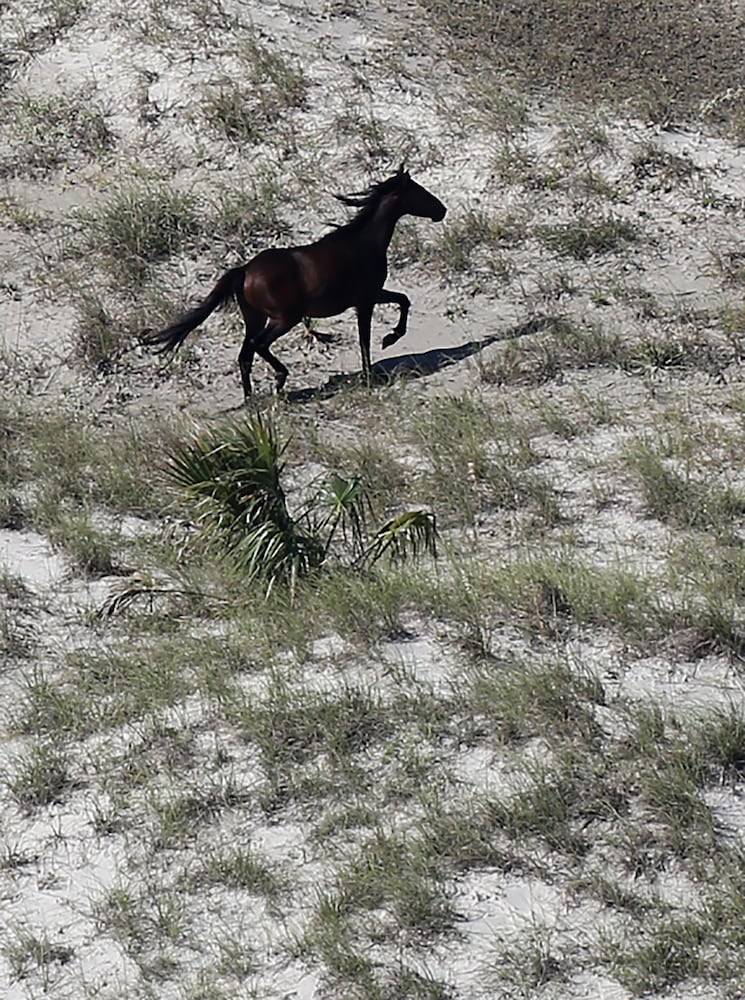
column 413, row 199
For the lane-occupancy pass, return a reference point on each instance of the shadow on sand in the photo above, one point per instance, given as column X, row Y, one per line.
column 418, row 365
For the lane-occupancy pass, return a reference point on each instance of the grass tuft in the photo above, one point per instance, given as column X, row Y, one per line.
column 587, row 238
column 52, row 131
column 140, row 224
column 680, row 497
column 41, row 777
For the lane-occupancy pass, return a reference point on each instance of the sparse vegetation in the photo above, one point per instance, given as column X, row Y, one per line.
column 471, row 245
column 27, row 952
column 587, row 238
column 49, row 132
column 40, row 776
column 539, row 39
column 139, row 224
column 280, row 753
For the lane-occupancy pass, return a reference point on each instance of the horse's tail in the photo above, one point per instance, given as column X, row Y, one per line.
column 173, row 336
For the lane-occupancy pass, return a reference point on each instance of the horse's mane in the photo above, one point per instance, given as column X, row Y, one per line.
column 366, row 202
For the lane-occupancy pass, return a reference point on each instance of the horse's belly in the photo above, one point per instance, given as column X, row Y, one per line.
column 321, row 308
column 349, row 289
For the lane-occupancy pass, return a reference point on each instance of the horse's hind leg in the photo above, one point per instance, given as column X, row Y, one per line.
column 273, row 332
column 255, row 322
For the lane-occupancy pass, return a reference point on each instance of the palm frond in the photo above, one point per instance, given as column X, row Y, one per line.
column 233, row 477
column 232, row 470
column 346, row 506
column 408, row 535
column 271, row 552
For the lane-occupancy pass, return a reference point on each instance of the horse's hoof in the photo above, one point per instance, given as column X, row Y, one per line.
column 390, row 339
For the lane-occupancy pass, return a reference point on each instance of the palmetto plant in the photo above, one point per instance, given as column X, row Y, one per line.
column 233, row 477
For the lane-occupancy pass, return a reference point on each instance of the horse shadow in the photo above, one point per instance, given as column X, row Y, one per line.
column 416, row 366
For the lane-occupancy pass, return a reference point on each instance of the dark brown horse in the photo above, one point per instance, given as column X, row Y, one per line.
column 344, row 269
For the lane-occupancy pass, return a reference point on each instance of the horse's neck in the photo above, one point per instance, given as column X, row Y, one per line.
column 379, row 230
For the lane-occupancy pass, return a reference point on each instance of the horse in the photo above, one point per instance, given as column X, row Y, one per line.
column 344, row 269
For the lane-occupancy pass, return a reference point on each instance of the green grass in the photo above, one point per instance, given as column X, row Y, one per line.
column 25, row 40
column 113, row 685
column 141, row 919
column 465, row 837
column 92, row 551
column 545, row 595
column 557, row 803
column 665, row 955
column 246, row 114
column 479, row 462
column 561, row 344
column 721, row 742
column 682, row 496
column 138, row 224
column 230, row 110
column 515, row 164
column 105, row 327
column 176, row 819
column 472, row 243
column 292, row 727
column 392, row 890
column 528, row 962
column 519, row 701
column 18, row 617
column 83, row 463
column 27, row 952
column 588, row 238
column 40, row 776
column 400, row 878
column 667, row 785
column 247, row 216
column 638, row 801
column 52, row 131
column 242, row 868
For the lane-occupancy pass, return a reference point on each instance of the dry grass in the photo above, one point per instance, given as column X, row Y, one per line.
column 672, row 60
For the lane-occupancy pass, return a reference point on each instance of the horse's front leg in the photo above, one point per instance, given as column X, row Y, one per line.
column 364, row 325
column 401, row 300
